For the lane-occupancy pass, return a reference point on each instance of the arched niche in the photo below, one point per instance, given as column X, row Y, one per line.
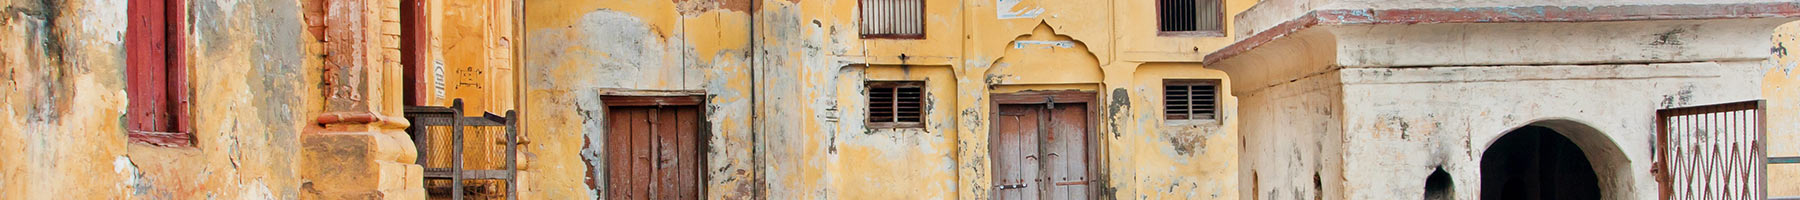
column 1045, row 57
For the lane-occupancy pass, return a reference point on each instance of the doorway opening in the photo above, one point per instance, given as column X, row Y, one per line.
column 1535, row 162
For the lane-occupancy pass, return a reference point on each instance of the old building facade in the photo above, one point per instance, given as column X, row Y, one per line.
column 900, row 99
column 1390, row 93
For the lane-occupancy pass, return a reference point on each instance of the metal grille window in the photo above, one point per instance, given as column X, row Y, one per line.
column 896, row 104
column 1712, row 151
column 1191, row 99
column 1195, row 16
column 893, row 18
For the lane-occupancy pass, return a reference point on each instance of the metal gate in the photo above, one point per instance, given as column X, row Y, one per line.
column 426, row 117
column 1712, row 151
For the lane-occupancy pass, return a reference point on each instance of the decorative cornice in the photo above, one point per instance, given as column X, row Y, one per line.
column 1527, row 14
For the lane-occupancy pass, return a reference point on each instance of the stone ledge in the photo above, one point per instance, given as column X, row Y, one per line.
column 357, row 165
column 1523, row 14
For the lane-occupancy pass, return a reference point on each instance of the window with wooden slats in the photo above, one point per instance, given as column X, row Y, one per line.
column 1191, row 17
column 893, row 18
column 896, row 104
column 1191, row 99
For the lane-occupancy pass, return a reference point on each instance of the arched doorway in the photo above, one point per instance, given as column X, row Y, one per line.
column 1535, row 162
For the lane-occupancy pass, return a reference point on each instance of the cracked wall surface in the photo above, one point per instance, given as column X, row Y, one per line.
column 1368, row 109
column 785, row 109
column 254, row 89
column 785, row 112
column 1781, row 88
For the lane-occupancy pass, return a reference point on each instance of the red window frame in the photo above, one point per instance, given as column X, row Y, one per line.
column 156, row 73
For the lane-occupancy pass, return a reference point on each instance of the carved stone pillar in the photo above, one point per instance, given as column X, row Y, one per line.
column 360, row 149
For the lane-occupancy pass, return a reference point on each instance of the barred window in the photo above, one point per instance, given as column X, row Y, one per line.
column 1191, row 99
column 1194, row 16
column 896, row 104
column 893, row 18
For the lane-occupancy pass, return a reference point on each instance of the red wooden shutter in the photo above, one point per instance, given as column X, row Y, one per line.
column 156, row 73
column 146, row 67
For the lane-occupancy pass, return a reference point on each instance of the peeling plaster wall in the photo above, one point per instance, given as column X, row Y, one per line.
column 253, row 89
column 785, row 107
column 1410, row 121
column 1180, row 159
column 580, row 50
column 872, row 162
column 1292, row 146
column 1780, row 82
column 784, row 83
column 1268, row 14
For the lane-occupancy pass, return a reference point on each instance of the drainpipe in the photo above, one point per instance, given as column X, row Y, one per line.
column 756, row 139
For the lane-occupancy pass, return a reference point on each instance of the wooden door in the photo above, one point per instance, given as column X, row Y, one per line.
column 1040, row 151
column 652, row 152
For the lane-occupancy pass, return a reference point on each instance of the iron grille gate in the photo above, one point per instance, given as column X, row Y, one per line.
column 423, row 117
column 1712, row 151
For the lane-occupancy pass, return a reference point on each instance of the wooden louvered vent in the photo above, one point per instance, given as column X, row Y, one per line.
column 1191, row 99
column 896, row 104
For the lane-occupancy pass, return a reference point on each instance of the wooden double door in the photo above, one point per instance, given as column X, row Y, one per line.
column 653, row 152
column 1041, row 151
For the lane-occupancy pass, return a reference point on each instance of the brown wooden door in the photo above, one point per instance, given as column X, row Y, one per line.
column 653, row 152
column 1040, row 151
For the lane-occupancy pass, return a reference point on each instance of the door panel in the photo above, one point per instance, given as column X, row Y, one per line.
column 652, row 152
column 1040, row 151
column 618, row 156
column 1069, row 139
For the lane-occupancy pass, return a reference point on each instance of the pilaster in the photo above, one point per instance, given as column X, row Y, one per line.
column 359, row 149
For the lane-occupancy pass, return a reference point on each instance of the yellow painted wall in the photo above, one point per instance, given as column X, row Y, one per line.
column 1781, row 90
column 253, row 78
column 784, row 80
column 579, row 50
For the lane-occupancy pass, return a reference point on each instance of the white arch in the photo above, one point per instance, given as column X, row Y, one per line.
column 1610, row 164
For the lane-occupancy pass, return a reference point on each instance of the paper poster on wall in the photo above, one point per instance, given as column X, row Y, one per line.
column 1009, row 9
column 437, row 78
column 1047, row 44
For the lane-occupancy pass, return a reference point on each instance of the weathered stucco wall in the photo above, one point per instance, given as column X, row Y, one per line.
column 253, row 88
column 1181, row 159
column 1293, row 144
column 1407, row 122
column 580, row 50
column 1268, row 15
column 784, row 82
column 871, row 162
column 1781, row 89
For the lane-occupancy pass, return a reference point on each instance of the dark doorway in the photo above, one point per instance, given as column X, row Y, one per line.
column 1534, row 162
column 1439, row 186
column 415, row 44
